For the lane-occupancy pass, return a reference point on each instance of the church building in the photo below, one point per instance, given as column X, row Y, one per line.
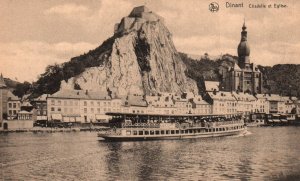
column 244, row 76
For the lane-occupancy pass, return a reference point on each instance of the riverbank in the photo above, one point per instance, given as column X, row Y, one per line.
column 53, row 130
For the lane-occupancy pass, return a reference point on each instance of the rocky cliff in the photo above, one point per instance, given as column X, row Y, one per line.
column 140, row 59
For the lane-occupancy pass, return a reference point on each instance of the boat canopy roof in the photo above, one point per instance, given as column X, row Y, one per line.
column 172, row 115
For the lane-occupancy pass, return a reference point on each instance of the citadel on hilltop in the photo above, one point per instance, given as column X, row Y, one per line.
column 136, row 18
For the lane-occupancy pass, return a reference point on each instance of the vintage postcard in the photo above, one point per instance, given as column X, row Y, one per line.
column 149, row 90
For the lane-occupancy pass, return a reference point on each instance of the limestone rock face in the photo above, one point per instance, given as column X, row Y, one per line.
column 143, row 60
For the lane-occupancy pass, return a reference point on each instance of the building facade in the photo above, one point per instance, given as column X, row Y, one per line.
column 261, row 104
column 13, row 105
column 245, row 103
column 40, row 104
column 222, row 102
column 80, row 106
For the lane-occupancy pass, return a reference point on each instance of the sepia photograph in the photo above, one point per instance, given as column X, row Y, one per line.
column 149, row 90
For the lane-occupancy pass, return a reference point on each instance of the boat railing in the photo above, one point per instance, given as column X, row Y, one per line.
column 140, row 125
column 229, row 122
column 180, row 125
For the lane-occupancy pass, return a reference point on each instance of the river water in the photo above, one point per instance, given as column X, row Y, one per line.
column 270, row 153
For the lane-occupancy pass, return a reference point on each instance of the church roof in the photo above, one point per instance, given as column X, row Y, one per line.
column 236, row 67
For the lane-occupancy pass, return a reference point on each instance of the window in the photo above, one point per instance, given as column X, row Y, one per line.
column 9, row 105
column 92, row 110
column 59, row 103
column 14, row 105
column 141, row 132
column 59, row 109
column 128, row 132
column 52, row 108
column 172, row 131
column 14, row 112
column 85, row 103
column 85, row 110
column 98, row 103
column 157, row 132
column 65, row 103
column 98, row 110
column 52, row 102
column 92, row 103
column 146, row 132
column 9, row 112
column 134, row 132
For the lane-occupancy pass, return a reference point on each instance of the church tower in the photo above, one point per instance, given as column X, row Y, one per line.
column 244, row 76
column 244, row 50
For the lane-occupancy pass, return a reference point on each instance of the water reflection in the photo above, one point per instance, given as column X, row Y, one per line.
column 267, row 154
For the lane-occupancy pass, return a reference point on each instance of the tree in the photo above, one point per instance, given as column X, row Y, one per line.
column 22, row 89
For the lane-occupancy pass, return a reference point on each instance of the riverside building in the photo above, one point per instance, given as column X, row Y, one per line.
column 80, row 106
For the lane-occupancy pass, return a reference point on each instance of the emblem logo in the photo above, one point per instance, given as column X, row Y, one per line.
column 214, row 7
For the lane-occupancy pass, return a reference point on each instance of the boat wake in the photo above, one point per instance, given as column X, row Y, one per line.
column 245, row 133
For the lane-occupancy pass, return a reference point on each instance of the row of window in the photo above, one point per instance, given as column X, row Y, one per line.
column 85, row 110
column 170, row 132
column 85, row 103
column 13, row 105
column 12, row 112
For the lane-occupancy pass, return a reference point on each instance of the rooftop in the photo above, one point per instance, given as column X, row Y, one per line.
column 80, row 94
column 211, row 85
column 12, row 97
column 222, row 96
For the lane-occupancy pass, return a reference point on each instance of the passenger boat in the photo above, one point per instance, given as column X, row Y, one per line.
column 134, row 127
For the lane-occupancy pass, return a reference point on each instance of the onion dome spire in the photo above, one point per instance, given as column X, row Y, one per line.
column 244, row 48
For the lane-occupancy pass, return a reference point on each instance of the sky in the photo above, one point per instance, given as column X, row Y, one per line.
column 37, row 33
